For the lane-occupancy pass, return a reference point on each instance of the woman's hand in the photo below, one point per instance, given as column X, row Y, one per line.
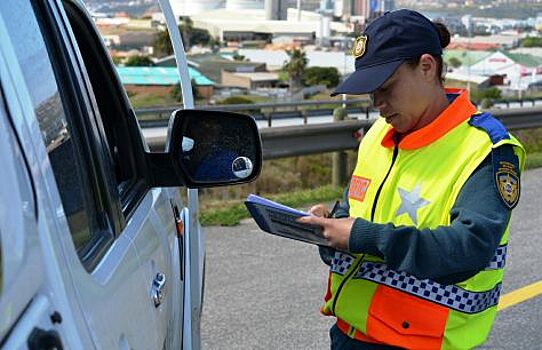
column 320, row 210
column 336, row 231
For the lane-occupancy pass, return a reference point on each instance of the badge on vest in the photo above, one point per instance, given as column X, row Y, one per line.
column 508, row 183
column 358, row 187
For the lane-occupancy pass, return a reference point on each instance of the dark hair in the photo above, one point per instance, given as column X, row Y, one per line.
column 444, row 38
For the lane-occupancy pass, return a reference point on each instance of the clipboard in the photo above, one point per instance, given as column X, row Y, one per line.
column 280, row 220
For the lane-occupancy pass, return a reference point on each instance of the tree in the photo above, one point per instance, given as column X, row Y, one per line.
column 189, row 34
column 295, row 67
column 139, row 61
column 455, row 62
column 200, row 37
column 328, row 76
column 186, row 28
column 176, row 91
column 237, row 57
column 162, row 44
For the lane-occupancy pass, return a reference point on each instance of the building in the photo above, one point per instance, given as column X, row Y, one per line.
column 239, row 25
column 274, row 60
column 161, row 80
column 249, row 80
column 518, row 70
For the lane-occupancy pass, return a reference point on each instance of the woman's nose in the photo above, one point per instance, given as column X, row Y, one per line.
column 378, row 101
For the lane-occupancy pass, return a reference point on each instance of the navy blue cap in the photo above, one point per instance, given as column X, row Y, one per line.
column 386, row 43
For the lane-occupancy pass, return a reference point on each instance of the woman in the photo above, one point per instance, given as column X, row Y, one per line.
column 420, row 239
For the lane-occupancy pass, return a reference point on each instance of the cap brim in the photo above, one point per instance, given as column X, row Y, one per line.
column 367, row 80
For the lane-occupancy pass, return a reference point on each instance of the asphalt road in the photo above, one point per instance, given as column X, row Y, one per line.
column 264, row 292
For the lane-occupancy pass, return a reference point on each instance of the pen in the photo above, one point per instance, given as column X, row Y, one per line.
column 335, row 207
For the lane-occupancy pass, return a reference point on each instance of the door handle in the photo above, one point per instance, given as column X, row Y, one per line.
column 157, row 292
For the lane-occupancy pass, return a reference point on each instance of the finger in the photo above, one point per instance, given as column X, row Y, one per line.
column 312, row 220
column 318, row 210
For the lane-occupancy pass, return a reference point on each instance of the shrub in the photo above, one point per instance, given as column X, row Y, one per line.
column 235, row 100
column 328, row 76
column 139, row 61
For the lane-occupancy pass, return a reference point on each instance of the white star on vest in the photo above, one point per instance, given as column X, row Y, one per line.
column 410, row 203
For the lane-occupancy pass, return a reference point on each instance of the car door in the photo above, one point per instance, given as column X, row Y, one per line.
column 119, row 239
column 37, row 310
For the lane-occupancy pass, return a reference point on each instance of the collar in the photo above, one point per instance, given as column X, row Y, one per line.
column 459, row 110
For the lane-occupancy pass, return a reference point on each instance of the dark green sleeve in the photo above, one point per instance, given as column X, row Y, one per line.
column 447, row 254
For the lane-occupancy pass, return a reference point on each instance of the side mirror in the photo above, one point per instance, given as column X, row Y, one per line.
column 208, row 148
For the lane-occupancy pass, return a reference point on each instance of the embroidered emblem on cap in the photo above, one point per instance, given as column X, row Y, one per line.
column 508, row 183
column 359, row 46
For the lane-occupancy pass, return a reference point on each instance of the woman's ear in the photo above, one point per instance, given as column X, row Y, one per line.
column 427, row 66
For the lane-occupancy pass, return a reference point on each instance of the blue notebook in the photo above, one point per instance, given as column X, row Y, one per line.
column 278, row 219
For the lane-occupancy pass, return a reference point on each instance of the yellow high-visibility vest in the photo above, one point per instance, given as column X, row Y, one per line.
column 374, row 303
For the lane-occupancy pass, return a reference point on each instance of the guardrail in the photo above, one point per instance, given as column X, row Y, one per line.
column 289, row 141
column 290, row 110
column 261, row 111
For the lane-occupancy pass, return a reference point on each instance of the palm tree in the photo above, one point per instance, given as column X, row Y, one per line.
column 295, row 67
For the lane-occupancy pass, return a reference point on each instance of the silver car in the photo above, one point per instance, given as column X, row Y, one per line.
column 97, row 247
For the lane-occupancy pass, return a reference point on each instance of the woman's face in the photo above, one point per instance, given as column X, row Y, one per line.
column 403, row 99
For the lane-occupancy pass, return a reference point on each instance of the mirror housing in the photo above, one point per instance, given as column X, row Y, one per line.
column 207, row 149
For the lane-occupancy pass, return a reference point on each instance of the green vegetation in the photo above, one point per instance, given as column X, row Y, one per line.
column 295, row 67
column 295, row 181
column 139, row 61
column 162, row 45
column 146, row 99
column 176, row 92
column 531, row 42
column 231, row 213
column 485, row 97
column 190, row 36
column 237, row 57
column 235, row 100
column 304, row 181
column 532, row 141
column 534, row 160
column 455, row 62
column 328, row 76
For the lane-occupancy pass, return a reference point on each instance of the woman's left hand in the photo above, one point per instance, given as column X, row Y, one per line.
column 336, row 231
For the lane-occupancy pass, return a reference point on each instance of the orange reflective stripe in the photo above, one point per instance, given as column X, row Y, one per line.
column 457, row 112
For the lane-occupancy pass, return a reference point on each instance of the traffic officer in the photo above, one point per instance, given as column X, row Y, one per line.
column 420, row 240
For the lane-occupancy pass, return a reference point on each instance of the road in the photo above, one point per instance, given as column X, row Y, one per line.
column 264, row 292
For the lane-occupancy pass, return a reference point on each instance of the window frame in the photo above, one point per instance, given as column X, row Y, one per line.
column 113, row 207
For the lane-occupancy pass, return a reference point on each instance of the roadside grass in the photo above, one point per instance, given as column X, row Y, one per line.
column 230, row 213
column 534, row 160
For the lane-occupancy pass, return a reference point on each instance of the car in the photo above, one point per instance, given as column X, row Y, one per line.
column 100, row 244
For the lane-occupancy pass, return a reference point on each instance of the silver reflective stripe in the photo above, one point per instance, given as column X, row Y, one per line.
column 499, row 259
column 341, row 263
column 449, row 296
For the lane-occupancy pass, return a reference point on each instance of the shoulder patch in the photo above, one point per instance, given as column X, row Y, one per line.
column 491, row 125
column 507, row 177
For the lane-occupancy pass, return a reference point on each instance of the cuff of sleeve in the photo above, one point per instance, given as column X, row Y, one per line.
column 364, row 237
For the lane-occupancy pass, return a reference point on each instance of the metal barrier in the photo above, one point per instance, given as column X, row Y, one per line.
column 261, row 111
column 289, row 141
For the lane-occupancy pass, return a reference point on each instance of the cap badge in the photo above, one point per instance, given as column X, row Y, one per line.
column 359, row 46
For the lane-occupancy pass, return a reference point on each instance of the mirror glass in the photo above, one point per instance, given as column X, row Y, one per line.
column 219, row 147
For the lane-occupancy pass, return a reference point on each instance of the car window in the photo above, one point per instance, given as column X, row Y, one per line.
column 115, row 117
column 59, row 133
